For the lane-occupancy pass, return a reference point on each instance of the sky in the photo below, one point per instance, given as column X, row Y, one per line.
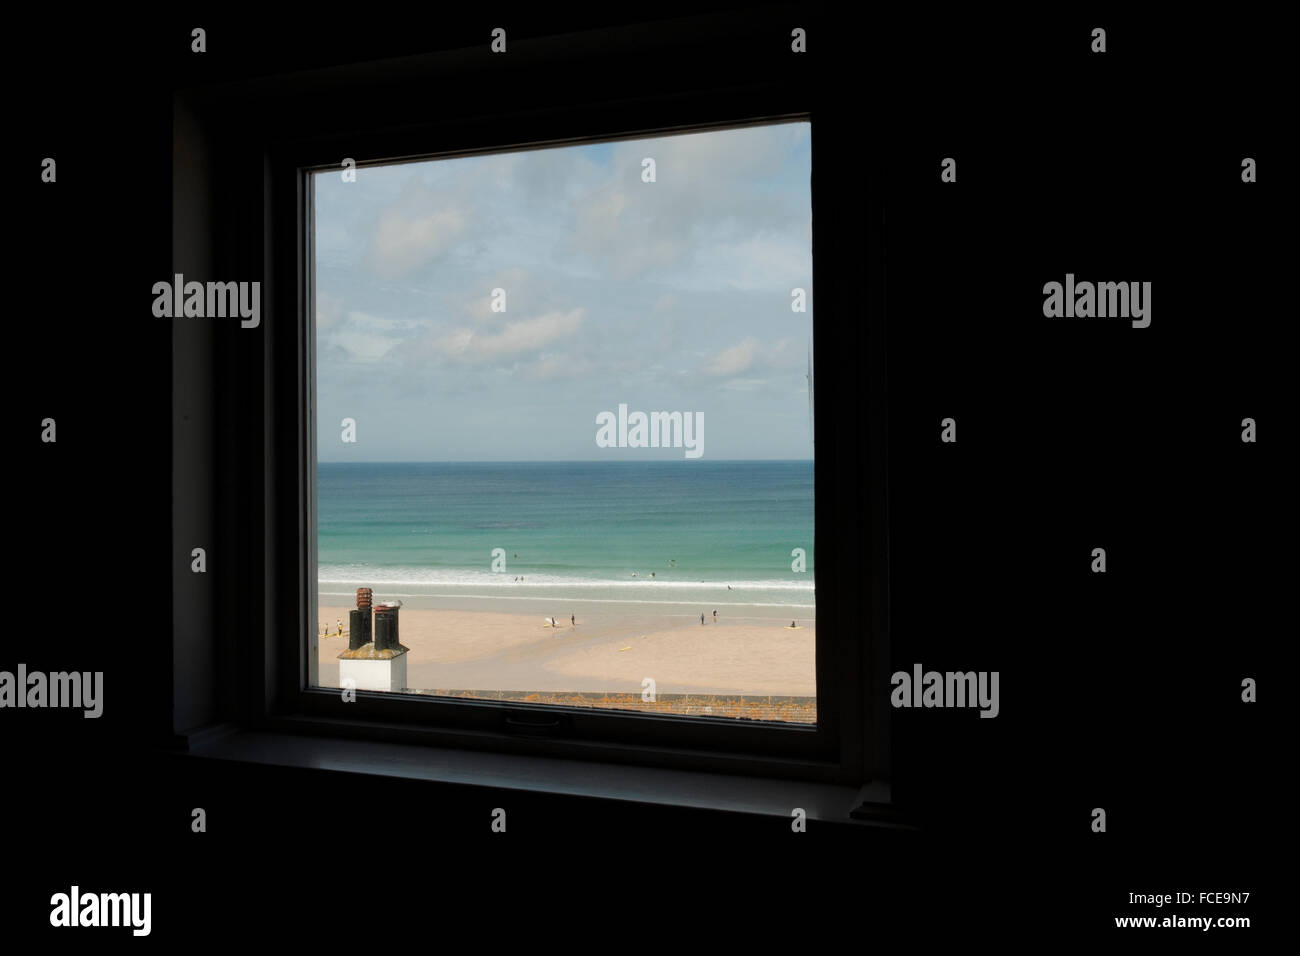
column 672, row 295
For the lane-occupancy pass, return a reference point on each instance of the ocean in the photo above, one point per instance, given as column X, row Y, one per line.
column 664, row 532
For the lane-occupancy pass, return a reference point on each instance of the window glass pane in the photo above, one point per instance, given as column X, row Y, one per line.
column 565, row 421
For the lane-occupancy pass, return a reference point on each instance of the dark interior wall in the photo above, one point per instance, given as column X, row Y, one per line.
column 195, row 399
column 1119, row 692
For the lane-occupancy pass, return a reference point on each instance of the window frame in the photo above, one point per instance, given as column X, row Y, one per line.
column 849, row 743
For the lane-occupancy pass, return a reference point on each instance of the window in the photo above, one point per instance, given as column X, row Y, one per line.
column 432, row 379
column 564, row 426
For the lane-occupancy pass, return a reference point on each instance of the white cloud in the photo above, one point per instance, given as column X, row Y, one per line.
column 748, row 355
column 734, row 360
column 709, row 220
column 617, row 230
column 518, row 338
column 418, row 228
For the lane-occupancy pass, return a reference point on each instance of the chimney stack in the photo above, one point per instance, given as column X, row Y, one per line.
column 377, row 666
column 386, row 627
column 361, row 620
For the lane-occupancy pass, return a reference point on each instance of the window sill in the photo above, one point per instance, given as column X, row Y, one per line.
column 652, row 786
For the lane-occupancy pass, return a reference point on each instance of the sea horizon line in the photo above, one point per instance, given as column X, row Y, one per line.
column 564, row 461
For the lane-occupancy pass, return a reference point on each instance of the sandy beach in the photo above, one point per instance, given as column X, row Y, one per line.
column 611, row 649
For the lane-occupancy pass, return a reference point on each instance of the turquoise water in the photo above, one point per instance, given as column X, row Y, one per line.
column 582, row 530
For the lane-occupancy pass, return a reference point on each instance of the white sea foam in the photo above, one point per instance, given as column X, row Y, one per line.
column 387, row 577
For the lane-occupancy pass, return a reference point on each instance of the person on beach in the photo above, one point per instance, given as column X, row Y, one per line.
column 573, row 621
column 701, row 617
column 340, row 625
column 715, row 617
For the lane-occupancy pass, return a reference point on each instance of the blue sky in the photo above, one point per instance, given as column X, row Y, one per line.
column 667, row 296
